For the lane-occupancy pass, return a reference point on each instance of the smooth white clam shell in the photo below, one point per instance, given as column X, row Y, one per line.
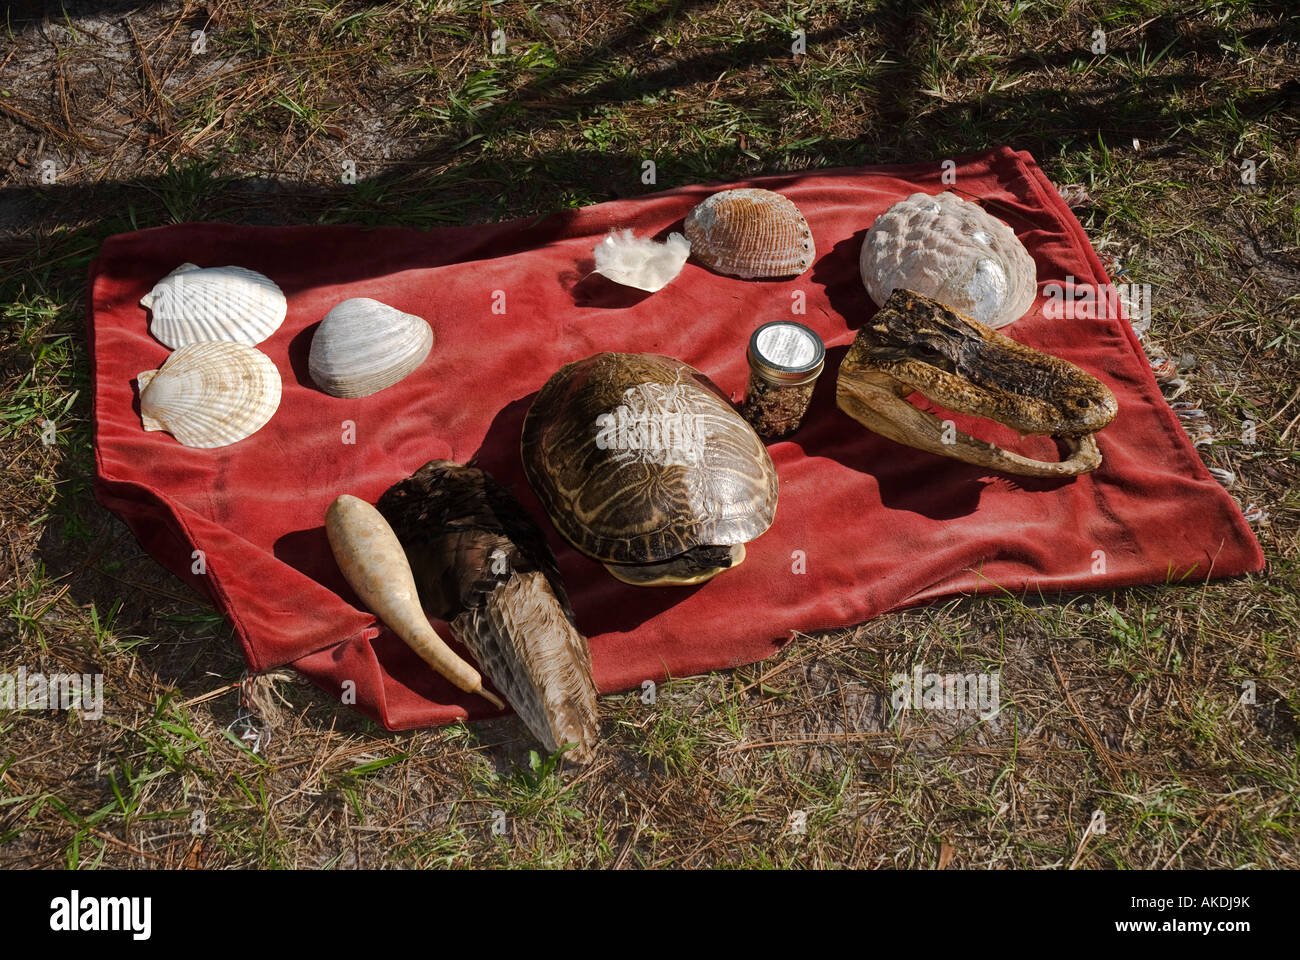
column 210, row 394
column 197, row 304
column 363, row 346
column 952, row 250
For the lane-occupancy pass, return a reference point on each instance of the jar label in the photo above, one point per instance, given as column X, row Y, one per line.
column 786, row 346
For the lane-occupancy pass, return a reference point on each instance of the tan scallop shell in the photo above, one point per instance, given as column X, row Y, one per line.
column 197, row 304
column 750, row 233
column 949, row 249
column 210, row 394
column 363, row 346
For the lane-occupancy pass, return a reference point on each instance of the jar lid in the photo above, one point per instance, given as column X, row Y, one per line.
column 786, row 352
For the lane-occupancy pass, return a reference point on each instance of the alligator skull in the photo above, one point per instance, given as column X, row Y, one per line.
column 917, row 344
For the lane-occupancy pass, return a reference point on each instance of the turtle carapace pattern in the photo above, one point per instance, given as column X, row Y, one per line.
column 642, row 464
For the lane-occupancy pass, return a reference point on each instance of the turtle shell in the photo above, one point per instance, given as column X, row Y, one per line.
column 638, row 458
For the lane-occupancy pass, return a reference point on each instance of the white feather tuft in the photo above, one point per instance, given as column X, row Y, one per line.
column 639, row 261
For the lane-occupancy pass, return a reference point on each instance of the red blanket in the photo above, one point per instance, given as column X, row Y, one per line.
column 863, row 526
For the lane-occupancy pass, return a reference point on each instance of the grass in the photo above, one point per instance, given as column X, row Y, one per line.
column 799, row 761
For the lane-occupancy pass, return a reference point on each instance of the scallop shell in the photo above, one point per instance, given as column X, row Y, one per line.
column 750, row 233
column 210, row 394
column 197, row 304
column 363, row 346
column 948, row 248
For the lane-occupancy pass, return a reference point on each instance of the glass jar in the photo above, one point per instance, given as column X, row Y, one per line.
column 785, row 360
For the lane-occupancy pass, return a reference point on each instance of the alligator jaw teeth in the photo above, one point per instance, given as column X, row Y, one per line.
column 879, row 402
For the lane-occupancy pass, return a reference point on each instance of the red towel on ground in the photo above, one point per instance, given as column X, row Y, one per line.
column 863, row 526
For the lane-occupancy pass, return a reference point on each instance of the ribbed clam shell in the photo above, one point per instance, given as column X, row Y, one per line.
column 196, row 304
column 750, row 233
column 210, row 394
column 948, row 248
column 363, row 346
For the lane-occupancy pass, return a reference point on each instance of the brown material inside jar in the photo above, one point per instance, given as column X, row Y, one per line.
column 775, row 410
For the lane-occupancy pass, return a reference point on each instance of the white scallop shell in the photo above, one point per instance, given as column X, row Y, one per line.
column 210, row 394
column 950, row 249
column 750, row 233
column 196, row 304
column 363, row 346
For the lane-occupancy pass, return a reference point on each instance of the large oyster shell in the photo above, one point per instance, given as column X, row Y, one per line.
column 948, row 248
column 195, row 304
column 363, row 346
column 210, row 394
column 750, row 233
